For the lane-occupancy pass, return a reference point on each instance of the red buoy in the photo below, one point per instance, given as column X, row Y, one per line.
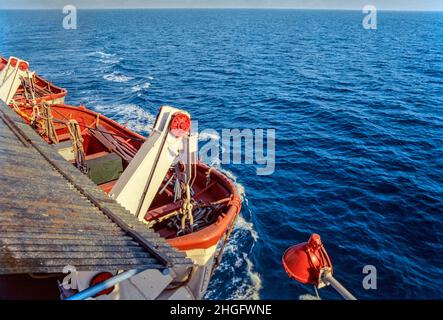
column 180, row 124
column 304, row 262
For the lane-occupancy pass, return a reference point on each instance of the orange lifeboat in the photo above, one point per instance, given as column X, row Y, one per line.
column 215, row 195
column 43, row 89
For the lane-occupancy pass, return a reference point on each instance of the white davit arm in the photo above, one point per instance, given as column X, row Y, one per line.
column 10, row 78
column 141, row 180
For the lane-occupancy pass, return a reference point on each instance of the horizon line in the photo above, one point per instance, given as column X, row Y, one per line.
column 218, row 8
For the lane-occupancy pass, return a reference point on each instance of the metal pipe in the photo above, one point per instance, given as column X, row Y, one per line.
column 329, row 279
column 91, row 291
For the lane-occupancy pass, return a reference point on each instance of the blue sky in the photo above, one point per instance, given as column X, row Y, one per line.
column 303, row 4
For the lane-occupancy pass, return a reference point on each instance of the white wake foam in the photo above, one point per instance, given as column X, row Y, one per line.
column 106, row 58
column 140, row 87
column 250, row 291
column 133, row 116
column 242, row 224
column 103, row 54
column 115, row 77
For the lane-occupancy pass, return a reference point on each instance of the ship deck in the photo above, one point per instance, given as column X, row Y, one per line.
column 52, row 216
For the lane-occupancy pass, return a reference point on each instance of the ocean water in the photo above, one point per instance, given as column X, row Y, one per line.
column 358, row 116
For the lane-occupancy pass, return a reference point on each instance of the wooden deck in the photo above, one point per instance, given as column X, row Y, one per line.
column 51, row 215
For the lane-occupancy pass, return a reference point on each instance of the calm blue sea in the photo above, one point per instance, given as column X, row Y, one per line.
column 358, row 117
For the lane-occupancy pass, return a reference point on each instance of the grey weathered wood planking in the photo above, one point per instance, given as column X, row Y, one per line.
column 46, row 223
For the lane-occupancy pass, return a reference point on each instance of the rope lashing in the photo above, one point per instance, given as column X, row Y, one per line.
column 77, row 144
column 48, row 125
column 186, row 209
column 31, row 97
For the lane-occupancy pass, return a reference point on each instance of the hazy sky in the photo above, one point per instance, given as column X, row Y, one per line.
column 304, row 4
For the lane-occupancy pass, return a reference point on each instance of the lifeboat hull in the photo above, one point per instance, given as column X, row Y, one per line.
column 44, row 90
